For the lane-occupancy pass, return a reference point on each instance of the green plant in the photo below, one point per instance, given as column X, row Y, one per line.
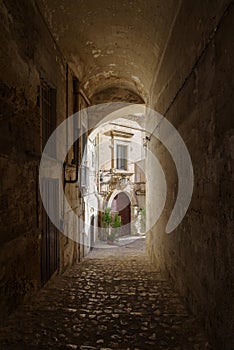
column 107, row 218
column 117, row 221
column 143, row 219
column 111, row 223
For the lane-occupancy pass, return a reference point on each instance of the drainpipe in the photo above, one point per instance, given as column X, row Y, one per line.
column 76, row 106
column 67, row 110
column 112, row 152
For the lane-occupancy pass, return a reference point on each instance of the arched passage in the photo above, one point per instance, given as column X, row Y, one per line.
column 182, row 66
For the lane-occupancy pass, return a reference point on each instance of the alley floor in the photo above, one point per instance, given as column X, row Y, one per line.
column 113, row 299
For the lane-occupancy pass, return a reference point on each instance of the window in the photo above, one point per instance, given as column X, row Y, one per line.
column 48, row 113
column 121, row 158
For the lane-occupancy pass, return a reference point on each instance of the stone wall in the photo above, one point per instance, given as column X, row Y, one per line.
column 28, row 53
column 193, row 89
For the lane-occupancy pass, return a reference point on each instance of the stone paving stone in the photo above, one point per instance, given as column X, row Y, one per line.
column 113, row 299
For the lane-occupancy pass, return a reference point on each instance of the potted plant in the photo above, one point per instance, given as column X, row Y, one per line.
column 116, row 223
column 111, row 224
column 107, row 219
column 113, row 236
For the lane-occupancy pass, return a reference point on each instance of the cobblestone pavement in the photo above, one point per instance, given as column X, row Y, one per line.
column 112, row 300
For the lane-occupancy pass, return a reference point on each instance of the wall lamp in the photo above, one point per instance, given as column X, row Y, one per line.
column 104, row 173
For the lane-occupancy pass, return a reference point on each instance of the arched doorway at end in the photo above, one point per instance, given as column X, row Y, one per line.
column 121, row 204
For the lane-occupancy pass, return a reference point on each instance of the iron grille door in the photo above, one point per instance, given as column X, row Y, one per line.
column 50, row 240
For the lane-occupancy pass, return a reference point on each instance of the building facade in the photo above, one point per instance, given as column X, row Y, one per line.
column 120, row 181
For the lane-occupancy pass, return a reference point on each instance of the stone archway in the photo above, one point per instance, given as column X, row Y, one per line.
column 121, row 204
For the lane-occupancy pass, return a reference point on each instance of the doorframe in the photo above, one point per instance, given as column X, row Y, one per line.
column 128, row 194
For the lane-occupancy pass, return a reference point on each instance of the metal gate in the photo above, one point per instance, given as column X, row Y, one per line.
column 50, row 240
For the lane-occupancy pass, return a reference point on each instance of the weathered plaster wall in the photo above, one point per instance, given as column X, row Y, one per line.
column 91, row 197
column 194, row 90
column 27, row 53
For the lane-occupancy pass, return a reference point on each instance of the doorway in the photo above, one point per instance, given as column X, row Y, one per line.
column 121, row 204
column 92, row 233
column 50, row 240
